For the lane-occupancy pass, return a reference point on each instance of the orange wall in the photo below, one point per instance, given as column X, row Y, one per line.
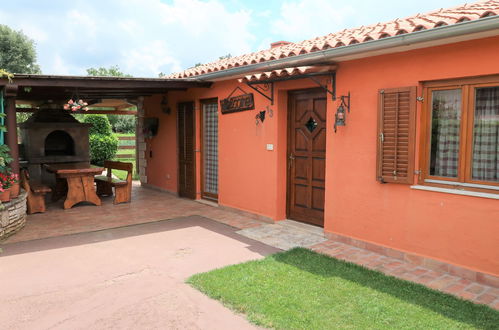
column 457, row 229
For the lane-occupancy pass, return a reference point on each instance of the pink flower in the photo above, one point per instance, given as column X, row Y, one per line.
column 85, row 108
column 85, row 103
column 71, row 102
column 66, row 106
column 73, row 108
column 80, row 101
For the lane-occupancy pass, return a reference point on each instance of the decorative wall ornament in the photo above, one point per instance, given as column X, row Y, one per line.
column 260, row 116
column 165, row 108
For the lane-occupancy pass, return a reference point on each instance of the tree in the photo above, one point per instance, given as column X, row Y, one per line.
column 17, row 52
column 225, row 57
column 112, row 71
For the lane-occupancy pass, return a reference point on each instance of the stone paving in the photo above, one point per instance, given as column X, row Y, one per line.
column 284, row 235
column 147, row 206
column 150, row 206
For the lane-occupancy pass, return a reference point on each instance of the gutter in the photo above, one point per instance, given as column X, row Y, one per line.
column 329, row 55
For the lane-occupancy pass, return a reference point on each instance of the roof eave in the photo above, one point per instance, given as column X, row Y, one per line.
column 469, row 30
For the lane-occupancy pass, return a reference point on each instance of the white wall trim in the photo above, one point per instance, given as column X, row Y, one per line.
column 457, row 192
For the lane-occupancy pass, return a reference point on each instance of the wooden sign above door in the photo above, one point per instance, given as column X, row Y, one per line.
column 237, row 103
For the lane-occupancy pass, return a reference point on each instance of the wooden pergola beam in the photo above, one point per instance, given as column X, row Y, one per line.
column 104, row 82
column 90, row 112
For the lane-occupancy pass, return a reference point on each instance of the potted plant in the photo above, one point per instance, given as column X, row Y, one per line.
column 14, row 189
column 5, row 185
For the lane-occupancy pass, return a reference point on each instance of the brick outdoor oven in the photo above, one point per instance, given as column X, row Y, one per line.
column 53, row 136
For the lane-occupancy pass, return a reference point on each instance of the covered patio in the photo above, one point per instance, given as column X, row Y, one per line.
column 104, row 95
column 147, row 206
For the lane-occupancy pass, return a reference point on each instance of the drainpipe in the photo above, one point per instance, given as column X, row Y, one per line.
column 329, row 55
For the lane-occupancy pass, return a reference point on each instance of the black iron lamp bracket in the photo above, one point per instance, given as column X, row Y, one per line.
column 266, row 89
column 340, row 116
column 347, row 103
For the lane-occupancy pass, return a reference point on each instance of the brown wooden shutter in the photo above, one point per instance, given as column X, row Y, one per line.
column 396, row 135
column 186, row 152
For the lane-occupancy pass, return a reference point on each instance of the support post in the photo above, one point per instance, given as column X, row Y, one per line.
column 10, row 93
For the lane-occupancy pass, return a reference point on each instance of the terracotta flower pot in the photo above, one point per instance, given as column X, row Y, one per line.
column 14, row 190
column 5, row 195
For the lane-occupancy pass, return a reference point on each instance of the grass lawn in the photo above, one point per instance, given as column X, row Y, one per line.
column 301, row 289
column 125, row 151
column 122, row 174
column 125, row 134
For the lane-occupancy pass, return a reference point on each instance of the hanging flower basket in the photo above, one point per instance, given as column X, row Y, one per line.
column 76, row 105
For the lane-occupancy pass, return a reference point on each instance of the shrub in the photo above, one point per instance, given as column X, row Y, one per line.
column 100, row 124
column 102, row 147
column 125, row 124
column 112, row 120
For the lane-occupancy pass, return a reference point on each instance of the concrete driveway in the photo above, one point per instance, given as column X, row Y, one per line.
column 130, row 277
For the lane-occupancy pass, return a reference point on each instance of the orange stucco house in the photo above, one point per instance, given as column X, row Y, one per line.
column 386, row 135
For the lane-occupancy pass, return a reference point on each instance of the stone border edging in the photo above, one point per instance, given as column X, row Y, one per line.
column 432, row 264
column 13, row 217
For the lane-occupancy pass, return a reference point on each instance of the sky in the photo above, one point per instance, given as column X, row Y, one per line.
column 146, row 37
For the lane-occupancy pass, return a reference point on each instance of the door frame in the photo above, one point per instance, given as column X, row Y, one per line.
column 193, row 195
column 288, row 148
column 205, row 195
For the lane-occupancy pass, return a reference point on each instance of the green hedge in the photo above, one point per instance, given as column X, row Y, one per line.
column 103, row 143
column 102, row 147
column 100, row 124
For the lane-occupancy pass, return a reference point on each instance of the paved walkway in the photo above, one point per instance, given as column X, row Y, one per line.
column 150, row 206
column 124, row 278
column 286, row 234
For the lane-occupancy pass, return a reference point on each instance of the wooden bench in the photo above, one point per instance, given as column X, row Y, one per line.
column 36, row 193
column 122, row 188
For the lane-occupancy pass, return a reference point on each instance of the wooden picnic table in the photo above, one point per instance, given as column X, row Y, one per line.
column 78, row 180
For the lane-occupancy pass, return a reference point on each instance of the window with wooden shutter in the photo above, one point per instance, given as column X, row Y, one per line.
column 396, row 135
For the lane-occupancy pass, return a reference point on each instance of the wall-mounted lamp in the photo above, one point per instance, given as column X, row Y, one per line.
column 260, row 116
column 340, row 116
column 164, row 106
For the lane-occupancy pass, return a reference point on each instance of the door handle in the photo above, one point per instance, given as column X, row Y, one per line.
column 291, row 159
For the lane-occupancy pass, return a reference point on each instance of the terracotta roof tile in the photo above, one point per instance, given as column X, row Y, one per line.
column 436, row 18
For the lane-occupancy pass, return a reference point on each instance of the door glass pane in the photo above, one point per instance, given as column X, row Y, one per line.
column 210, row 147
column 445, row 127
column 485, row 162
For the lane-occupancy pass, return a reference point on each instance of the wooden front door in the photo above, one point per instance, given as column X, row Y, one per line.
column 186, row 153
column 306, row 156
